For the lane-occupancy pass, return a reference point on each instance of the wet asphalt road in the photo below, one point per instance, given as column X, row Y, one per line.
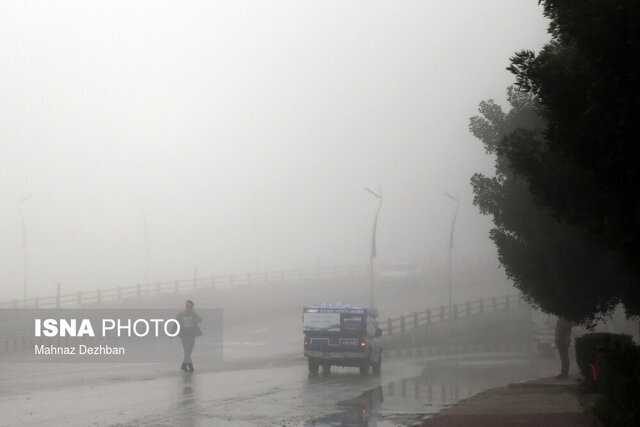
column 281, row 394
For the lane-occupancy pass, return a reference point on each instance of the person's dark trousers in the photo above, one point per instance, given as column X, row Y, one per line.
column 188, row 341
column 563, row 351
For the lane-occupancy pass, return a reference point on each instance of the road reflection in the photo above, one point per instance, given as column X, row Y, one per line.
column 409, row 400
column 187, row 400
column 360, row 411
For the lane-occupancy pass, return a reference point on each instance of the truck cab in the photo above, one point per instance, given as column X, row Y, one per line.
column 341, row 335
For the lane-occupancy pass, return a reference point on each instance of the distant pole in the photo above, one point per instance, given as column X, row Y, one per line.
column 374, row 250
column 25, row 250
column 256, row 235
column 147, row 248
column 451, row 240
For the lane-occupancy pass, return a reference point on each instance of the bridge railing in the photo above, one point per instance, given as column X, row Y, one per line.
column 400, row 325
column 226, row 281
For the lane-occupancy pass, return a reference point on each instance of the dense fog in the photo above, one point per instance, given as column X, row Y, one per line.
column 141, row 141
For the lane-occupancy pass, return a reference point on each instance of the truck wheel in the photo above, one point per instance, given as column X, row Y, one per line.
column 326, row 369
column 364, row 368
column 377, row 367
column 313, row 367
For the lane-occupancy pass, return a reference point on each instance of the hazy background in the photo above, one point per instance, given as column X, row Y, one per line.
column 243, row 133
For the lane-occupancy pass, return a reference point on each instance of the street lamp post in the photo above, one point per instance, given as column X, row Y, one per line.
column 374, row 250
column 451, row 239
column 147, row 248
column 25, row 252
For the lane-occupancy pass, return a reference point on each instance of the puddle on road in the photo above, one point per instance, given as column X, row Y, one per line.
column 403, row 402
column 409, row 401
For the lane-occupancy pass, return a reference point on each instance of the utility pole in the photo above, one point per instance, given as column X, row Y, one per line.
column 147, row 248
column 25, row 249
column 374, row 249
column 451, row 240
column 254, row 228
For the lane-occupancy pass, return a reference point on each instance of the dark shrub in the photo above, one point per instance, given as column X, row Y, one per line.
column 590, row 345
column 619, row 382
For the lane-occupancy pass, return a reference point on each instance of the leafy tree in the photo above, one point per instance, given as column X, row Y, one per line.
column 555, row 265
column 585, row 83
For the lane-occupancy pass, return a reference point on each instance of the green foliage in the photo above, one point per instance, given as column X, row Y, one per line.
column 555, row 265
column 620, row 385
column 588, row 347
column 585, row 83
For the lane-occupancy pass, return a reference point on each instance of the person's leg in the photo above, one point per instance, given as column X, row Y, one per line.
column 566, row 361
column 187, row 348
column 184, row 354
column 189, row 342
column 563, row 350
column 193, row 344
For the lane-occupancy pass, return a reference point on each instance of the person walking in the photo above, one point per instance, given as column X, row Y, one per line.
column 189, row 329
column 563, row 341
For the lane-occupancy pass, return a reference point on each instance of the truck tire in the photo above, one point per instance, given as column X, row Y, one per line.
column 326, row 369
column 377, row 367
column 313, row 367
column 364, row 368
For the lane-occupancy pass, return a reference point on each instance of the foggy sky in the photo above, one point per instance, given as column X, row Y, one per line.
column 243, row 134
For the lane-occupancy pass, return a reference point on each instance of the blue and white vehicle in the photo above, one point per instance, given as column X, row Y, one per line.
column 341, row 335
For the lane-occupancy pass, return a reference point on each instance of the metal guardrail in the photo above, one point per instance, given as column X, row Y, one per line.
column 404, row 323
column 228, row 281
